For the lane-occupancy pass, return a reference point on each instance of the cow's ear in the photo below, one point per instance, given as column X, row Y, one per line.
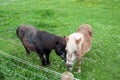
column 57, row 43
column 66, row 38
column 78, row 41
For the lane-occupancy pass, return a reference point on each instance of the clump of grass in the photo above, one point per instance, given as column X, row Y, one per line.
column 2, row 76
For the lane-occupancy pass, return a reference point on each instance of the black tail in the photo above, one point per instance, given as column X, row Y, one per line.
column 17, row 31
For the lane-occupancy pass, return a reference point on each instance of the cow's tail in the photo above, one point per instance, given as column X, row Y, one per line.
column 17, row 31
column 91, row 33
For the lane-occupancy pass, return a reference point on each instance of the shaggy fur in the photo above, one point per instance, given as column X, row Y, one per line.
column 78, row 44
column 41, row 42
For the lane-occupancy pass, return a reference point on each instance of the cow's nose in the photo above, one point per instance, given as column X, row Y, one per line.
column 69, row 65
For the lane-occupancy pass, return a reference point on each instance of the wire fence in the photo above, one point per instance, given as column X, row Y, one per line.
column 21, row 72
column 6, row 69
column 16, row 73
column 13, row 66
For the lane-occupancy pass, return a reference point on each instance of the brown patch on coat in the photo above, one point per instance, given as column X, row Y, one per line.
column 78, row 41
column 66, row 38
column 86, row 30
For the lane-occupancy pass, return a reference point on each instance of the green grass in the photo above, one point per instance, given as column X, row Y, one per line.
column 62, row 17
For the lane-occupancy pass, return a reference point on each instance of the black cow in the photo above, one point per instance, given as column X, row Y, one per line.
column 41, row 42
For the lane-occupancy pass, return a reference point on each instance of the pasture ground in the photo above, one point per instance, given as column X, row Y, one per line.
column 61, row 17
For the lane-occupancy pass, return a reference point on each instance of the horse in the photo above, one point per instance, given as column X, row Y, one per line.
column 77, row 44
column 41, row 42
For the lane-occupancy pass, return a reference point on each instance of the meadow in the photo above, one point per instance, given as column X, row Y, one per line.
column 60, row 17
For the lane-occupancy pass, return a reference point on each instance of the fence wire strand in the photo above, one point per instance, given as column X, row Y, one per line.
column 31, row 65
column 38, row 75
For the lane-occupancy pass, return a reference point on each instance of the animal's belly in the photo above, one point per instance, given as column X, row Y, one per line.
column 29, row 45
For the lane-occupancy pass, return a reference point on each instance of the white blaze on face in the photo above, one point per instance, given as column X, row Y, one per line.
column 72, row 47
column 70, row 51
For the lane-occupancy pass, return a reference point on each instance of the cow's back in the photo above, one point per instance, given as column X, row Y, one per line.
column 45, row 40
column 86, row 30
column 25, row 30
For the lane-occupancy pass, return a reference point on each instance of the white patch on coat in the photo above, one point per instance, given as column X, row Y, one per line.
column 72, row 47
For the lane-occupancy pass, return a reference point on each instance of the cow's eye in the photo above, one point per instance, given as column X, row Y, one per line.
column 75, row 52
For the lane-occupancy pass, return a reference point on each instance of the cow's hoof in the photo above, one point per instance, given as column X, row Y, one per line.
column 43, row 63
column 48, row 63
column 79, row 70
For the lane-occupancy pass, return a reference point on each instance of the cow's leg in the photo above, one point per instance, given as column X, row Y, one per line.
column 79, row 68
column 79, row 57
column 27, row 51
column 42, row 59
column 47, row 57
column 41, row 55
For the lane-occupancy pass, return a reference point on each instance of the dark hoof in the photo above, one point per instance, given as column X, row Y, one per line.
column 27, row 53
column 47, row 63
column 43, row 63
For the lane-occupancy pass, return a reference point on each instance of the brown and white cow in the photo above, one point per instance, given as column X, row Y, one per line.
column 78, row 44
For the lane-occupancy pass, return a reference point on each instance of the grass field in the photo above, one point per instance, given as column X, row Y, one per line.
column 61, row 17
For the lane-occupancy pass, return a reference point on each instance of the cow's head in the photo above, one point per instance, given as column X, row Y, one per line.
column 72, row 47
column 60, row 49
